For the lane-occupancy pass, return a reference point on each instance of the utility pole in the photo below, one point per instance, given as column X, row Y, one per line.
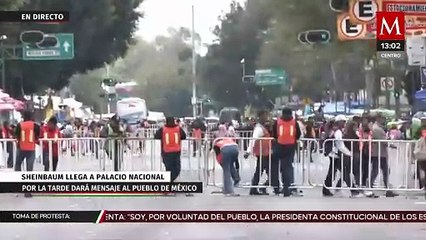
column 106, row 95
column 3, row 62
column 194, row 65
column 369, row 81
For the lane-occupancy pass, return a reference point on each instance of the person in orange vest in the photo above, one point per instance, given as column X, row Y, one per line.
column 286, row 132
column 6, row 133
column 261, row 149
column 171, row 137
column 27, row 134
column 226, row 150
column 50, row 133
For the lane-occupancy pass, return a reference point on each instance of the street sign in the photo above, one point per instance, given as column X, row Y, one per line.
column 347, row 31
column 270, row 77
column 423, row 75
column 64, row 49
column 387, row 84
column 416, row 51
column 363, row 11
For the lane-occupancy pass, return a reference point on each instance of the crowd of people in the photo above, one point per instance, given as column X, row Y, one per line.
column 356, row 147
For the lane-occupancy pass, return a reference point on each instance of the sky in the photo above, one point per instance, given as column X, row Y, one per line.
column 159, row 15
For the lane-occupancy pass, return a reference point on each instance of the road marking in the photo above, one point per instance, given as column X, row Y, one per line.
column 421, row 203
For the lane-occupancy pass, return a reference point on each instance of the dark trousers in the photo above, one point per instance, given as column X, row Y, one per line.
column 354, row 167
column 421, row 166
column 46, row 162
column 172, row 163
column 28, row 156
column 9, row 150
column 344, row 166
column 115, row 152
column 375, row 169
column 282, row 161
column 262, row 164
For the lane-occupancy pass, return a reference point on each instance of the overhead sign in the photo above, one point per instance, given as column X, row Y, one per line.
column 64, row 49
column 387, row 83
column 347, row 31
column 423, row 75
column 364, row 11
column 270, row 77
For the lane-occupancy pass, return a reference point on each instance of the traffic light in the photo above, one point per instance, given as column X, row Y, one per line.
column 48, row 41
column 109, row 82
column 302, row 37
column 31, row 37
column 396, row 94
column 318, row 36
column 111, row 97
column 339, row 5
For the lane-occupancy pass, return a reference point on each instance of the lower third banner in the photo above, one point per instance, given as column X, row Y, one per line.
column 100, row 187
column 105, row 216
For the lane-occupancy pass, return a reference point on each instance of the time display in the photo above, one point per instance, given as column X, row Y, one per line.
column 390, row 45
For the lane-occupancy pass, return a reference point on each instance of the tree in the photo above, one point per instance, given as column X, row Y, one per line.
column 311, row 65
column 162, row 70
column 103, row 30
column 238, row 37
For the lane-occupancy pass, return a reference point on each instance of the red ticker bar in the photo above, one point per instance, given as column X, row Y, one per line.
column 265, row 216
column 213, row 216
column 34, row 16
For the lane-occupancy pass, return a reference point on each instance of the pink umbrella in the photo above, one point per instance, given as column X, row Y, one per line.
column 6, row 106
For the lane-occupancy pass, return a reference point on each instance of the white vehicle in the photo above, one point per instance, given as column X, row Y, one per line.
column 132, row 109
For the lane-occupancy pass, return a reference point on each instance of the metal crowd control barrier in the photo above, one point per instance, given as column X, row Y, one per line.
column 7, row 152
column 305, row 171
column 123, row 154
column 382, row 165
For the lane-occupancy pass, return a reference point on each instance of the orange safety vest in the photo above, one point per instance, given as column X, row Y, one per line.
column 224, row 142
column 47, row 134
column 196, row 132
column 286, row 131
column 171, row 139
column 28, row 138
column 262, row 146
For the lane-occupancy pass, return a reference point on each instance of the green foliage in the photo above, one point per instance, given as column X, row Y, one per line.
column 239, row 36
column 102, row 31
column 162, row 74
column 311, row 65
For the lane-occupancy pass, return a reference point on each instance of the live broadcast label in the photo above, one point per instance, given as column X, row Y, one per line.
column 213, row 216
column 100, row 187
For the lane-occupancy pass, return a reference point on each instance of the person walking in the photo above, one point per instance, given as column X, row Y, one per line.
column 261, row 148
column 27, row 134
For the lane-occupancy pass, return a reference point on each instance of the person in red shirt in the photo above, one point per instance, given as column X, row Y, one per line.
column 49, row 135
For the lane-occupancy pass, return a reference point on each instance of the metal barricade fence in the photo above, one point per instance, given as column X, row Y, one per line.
column 123, row 154
column 374, row 165
column 306, row 173
column 7, row 152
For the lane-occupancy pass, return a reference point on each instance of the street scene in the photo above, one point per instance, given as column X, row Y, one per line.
column 273, row 105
